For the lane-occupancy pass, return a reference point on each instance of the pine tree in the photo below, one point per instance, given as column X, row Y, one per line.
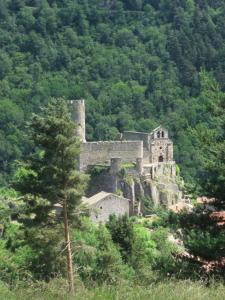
column 50, row 177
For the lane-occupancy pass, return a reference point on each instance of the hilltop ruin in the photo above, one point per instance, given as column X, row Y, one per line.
column 137, row 165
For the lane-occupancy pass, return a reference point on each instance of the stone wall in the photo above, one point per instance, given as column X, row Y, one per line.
column 162, row 188
column 102, row 182
column 112, row 204
column 137, row 136
column 159, row 170
column 159, row 132
column 161, row 149
column 99, row 153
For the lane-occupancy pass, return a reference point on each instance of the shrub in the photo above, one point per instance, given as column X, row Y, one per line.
column 96, row 256
column 121, row 229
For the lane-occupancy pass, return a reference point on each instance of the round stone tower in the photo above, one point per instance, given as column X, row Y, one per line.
column 78, row 116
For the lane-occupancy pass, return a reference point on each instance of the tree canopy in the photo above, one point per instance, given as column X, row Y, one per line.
column 137, row 63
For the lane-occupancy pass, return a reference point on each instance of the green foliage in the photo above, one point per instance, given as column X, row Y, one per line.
column 128, row 165
column 122, row 232
column 170, row 289
column 164, row 218
column 177, row 170
column 15, row 254
column 108, row 259
column 201, row 236
column 205, row 244
column 96, row 256
column 164, row 260
column 49, row 177
column 97, row 170
column 8, row 193
column 47, row 259
column 148, row 205
column 143, row 249
column 138, row 63
column 212, row 160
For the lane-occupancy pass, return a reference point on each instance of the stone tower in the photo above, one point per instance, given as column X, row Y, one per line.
column 161, row 147
column 78, row 116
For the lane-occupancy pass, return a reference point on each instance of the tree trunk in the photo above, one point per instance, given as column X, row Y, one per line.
column 68, row 249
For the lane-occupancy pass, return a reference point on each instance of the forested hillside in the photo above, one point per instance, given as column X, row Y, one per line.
column 138, row 63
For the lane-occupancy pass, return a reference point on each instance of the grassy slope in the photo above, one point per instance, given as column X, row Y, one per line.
column 167, row 291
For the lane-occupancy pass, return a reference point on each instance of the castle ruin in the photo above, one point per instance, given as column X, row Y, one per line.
column 151, row 154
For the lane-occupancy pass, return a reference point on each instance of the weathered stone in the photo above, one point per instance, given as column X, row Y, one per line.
column 139, row 165
column 78, row 116
column 103, row 204
column 154, row 174
column 95, row 153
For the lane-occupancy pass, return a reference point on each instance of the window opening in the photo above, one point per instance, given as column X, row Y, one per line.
column 160, row 158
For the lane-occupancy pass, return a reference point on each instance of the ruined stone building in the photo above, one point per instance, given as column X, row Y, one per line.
column 145, row 149
column 154, row 171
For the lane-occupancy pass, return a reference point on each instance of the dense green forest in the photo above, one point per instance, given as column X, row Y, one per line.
column 137, row 257
column 137, row 63
column 132, row 256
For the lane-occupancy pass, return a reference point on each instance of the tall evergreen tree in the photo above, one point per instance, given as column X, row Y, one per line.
column 50, row 177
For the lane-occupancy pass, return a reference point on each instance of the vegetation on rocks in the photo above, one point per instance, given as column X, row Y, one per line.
column 137, row 63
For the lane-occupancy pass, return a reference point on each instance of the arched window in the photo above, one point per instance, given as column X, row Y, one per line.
column 160, row 158
column 158, row 134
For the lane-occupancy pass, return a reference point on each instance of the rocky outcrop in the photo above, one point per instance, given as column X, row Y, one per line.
column 164, row 189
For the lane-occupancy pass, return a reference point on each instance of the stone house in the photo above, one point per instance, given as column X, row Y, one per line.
column 103, row 204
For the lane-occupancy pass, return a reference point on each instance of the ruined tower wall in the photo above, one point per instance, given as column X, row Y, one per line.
column 137, row 136
column 170, row 151
column 99, row 153
column 161, row 148
column 78, row 116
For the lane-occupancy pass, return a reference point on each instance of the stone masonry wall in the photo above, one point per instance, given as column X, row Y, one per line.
column 137, row 136
column 112, row 204
column 77, row 108
column 98, row 153
column 163, row 148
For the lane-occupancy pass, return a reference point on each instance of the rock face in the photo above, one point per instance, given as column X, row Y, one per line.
column 164, row 189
